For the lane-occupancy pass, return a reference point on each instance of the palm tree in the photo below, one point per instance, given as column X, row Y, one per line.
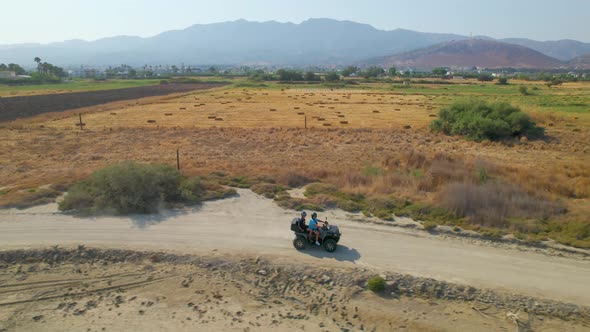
column 38, row 61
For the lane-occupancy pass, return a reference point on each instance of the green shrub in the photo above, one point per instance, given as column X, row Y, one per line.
column 478, row 120
column 376, row 284
column 131, row 187
column 523, row 90
column 192, row 190
column 124, row 188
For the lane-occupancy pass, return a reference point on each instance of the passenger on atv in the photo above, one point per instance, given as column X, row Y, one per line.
column 301, row 223
column 313, row 227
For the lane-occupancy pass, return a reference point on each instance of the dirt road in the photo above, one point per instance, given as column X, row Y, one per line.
column 251, row 224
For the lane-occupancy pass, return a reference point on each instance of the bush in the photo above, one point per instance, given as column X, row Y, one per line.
column 192, row 190
column 131, row 187
column 478, row 121
column 502, row 81
column 523, row 90
column 124, row 188
column 485, row 77
column 376, row 284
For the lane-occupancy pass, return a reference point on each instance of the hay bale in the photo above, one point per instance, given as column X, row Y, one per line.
column 183, row 108
column 297, row 108
column 341, row 115
column 376, row 111
column 432, row 115
column 301, row 113
column 168, row 114
column 407, row 127
column 218, row 119
column 343, row 122
column 212, row 117
column 113, row 113
column 151, row 121
column 321, row 119
column 273, row 109
column 327, row 125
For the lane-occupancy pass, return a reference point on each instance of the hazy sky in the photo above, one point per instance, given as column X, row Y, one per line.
column 57, row 20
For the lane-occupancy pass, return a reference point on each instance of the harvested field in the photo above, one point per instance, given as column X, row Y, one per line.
column 272, row 108
column 12, row 108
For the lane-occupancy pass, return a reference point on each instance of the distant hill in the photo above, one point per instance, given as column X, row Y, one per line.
column 470, row 53
column 582, row 62
column 564, row 50
column 312, row 42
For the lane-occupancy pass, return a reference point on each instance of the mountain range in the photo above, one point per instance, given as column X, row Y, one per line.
column 315, row 42
column 470, row 53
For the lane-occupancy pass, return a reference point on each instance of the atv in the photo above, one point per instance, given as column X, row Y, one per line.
column 329, row 236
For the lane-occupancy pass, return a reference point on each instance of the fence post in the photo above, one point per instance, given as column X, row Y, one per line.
column 177, row 159
column 81, row 124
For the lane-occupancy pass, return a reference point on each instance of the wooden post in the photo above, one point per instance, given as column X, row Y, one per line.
column 81, row 124
column 177, row 159
column 306, row 122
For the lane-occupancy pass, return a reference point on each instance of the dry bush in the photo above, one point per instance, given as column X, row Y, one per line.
column 391, row 183
column 295, row 179
column 415, row 159
column 492, row 204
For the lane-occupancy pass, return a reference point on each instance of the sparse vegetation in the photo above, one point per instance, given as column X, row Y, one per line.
column 368, row 163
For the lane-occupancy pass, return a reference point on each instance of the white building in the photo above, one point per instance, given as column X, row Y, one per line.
column 7, row 74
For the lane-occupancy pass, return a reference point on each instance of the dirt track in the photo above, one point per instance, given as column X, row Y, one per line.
column 250, row 224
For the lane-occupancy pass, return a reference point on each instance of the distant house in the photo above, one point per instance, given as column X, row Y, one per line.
column 7, row 74
column 84, row 72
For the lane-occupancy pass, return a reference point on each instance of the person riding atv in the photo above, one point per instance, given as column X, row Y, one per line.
column 326, row 235
column 314, row 229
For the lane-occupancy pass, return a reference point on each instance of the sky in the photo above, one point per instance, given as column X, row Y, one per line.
column 44, row 21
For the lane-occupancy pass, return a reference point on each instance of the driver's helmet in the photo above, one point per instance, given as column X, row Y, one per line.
column 303, row 214
column 314, row 215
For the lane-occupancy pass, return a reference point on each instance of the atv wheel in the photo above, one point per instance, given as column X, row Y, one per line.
column 330, row 245
column 299, row 243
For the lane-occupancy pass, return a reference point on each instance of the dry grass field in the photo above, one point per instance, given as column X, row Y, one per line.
column 249, row 108
column 370, row 139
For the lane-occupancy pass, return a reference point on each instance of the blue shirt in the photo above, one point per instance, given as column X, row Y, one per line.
column 313, row 224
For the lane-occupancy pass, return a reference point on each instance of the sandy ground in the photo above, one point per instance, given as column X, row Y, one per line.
column 221, row 293
column 250, row 224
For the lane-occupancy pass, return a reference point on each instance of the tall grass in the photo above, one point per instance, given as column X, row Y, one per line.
column 493, row 204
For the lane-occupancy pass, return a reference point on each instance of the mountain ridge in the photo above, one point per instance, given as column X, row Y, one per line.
column 465, row 53
column 316, row 41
